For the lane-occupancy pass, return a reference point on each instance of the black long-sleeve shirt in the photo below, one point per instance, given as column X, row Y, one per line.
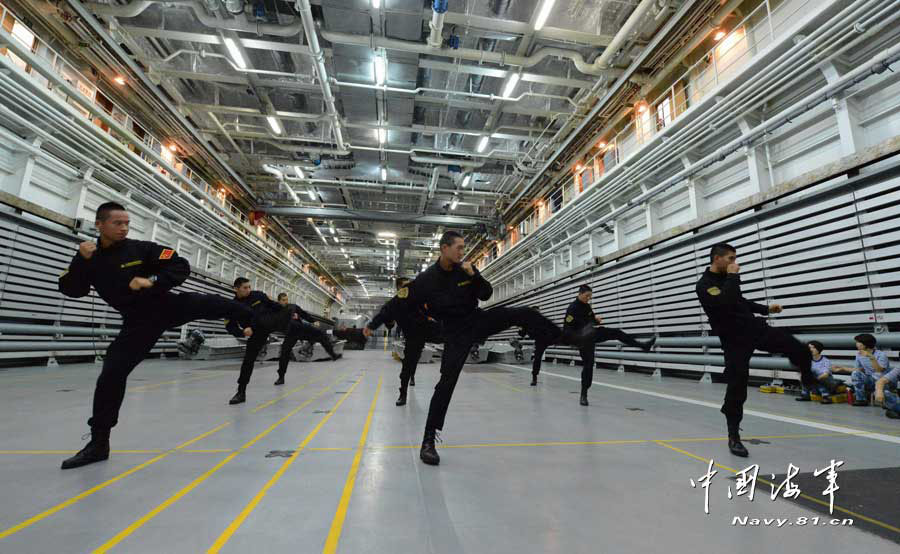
column 109, row 270
column 262, row 307
column 578, row 314
column 450, row 297
column 728, row 311
column 411, row 319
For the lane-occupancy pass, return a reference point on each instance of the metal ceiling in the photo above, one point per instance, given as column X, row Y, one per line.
column 288, row 95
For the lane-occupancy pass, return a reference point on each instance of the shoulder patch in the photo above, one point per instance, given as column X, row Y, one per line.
column 403, row 292
column 714, row 291
column 569, row 319
column 166, row 254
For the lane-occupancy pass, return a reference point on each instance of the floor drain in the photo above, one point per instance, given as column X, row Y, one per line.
column 320, row 412
column 138, row 379
column 280, row 454
column 757, row 441
column 340, row 392
column 635, row 409
column 65, row 390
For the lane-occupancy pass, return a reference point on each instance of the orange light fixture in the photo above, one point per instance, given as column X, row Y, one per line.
column 173, row 147
column 601, row 145
column 119, row 80
column 579, row 167
column 641, row 107
column 720, row 34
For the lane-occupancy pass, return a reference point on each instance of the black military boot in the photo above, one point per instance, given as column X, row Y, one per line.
column 534, row 379
column 96, row 450
column 280, row 380
column 735, row 445
column 428, row 453
column 240, row 396
column 584, row 401
column 401, row 401
column 412, row 380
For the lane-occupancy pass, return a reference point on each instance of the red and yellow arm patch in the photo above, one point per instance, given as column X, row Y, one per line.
column 166, row 254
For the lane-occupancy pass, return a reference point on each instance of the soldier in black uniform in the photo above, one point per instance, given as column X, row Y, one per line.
column 135, row 278
column 270, row 316
column 418, row 329
column 581, row 322
column 451, row 290
column 731, row 319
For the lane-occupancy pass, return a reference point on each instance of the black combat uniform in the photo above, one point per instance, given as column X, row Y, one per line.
column 269, row 317
column 418, row 329
column 580, row 322
column 146, row 313
column 452, row 298
column 740, row 332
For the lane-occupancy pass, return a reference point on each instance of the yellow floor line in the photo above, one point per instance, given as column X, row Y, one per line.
column 152, row 386
column 337, row 524
column 50, row 511
column 501, row 383
column 767, row 482
column 254, row 502
column 348, row 449
column 119, row 537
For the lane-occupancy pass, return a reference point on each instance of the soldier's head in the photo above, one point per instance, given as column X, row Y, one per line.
column 112, row 222
column 585, row 293
column 815, row 348
column 720, row 256
column 283, row 298
column 242, row 287
column 453, row 247
column 865, row 342
column 402, row 282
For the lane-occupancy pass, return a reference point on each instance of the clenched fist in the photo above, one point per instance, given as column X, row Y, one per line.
column 248, row 332
column 733, row 268
column 87, row 249
column 139, row 283
column 775, row 309
column 467, row 267
column 367, row 332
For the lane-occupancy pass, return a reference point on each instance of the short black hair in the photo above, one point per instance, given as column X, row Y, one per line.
column 240, row 281
column 721, row 249
column 403, row 281
column 449, row 237
column 867, row 340
column 280, row 294
column 584, row 288
column 817, row 345
column 106, row 207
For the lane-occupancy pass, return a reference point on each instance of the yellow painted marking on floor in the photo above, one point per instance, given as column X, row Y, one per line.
column 50, row 511
column 46, row 513
column 337, row 524
column 210, row 451
column 285, row 395
column 348, row 449
column 152, row 386
column 801, row 436
column 119, row 537
column 767, row 482
column 58, row 452
column 248, row 509
column 501, row 383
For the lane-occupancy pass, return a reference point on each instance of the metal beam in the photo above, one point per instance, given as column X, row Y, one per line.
column 215, row 39
column 503, row 74
column 360, row 215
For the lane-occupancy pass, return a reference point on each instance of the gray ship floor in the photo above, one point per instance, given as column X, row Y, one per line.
column 328, row 463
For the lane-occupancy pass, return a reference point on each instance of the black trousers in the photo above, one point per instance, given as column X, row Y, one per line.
column 739, row 348
column 139, row 332
column 586, row 350
column 413, row 347
column 459, row 336
column 299, row 330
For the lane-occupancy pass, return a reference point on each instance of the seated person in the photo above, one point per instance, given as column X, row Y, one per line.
column 821, row 367
column 886, row 393
column 871, row 365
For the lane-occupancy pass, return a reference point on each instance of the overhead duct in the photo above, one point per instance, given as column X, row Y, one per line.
column 445, row 161
column 439, row 7
column 309, row 149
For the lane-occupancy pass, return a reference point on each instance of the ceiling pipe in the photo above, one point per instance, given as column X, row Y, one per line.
column 623, row 34
column 439, row 8
column 445, row 161
column 310, row 149
column 309, row 27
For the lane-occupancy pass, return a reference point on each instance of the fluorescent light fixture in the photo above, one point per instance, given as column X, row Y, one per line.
column 454, row 203
column 510, row 85
column 384, row 174
column 274, row 124
column 466, row 179
column 380, row 69
column 381, row 134
column 376, row 4
column 336, row 241
column 312, row 195
column 299, row 172
column 543, row 14
column 235, row 53
column 482, row 144
column 330, row 228
column 387, row 235
column 343, row 251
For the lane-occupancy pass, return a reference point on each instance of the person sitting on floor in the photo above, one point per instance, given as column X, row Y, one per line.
column 871, row 365
column 821, row 367
column 886, row 393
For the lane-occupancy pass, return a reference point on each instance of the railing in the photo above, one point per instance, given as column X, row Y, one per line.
column 721, row 63
column 91, row 93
